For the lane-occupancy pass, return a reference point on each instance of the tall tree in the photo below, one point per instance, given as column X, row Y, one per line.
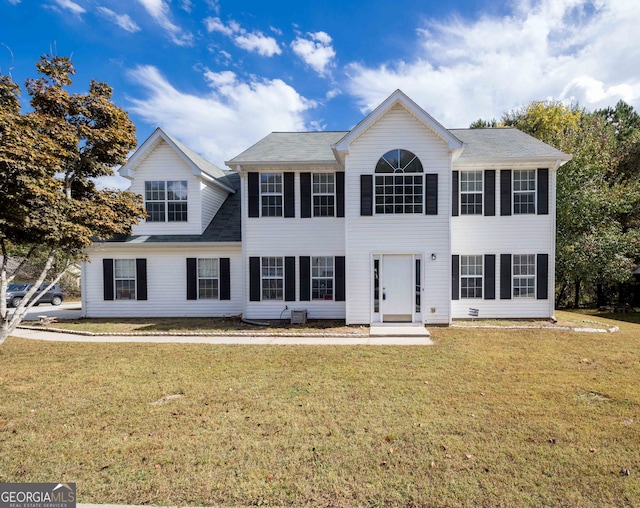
column 49, row 158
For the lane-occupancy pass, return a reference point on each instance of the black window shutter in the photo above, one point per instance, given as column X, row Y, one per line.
column 340, row 279
column 305, row 278
column 141, row 279
column 340, row 194
column 305, row 195
column 505, row 276
column 455, row 192
column 289, row 195
column 289, row 279
column 542, row 277
column 489, row 276
column 225, row 279
column 254, row 279
column 366, row 194
column 543, row 191
column 455, row 277
column 431, row 184
column 489, row 192
column 505, row 192
column 107, row 276
column 192, row 279
column 254, row 194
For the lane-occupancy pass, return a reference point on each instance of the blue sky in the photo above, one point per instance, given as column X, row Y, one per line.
column 221, row 74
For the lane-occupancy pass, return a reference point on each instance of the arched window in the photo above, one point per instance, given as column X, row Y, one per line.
column 399, row 183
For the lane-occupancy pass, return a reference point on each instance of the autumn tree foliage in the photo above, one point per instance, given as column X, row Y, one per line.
column 49, row 157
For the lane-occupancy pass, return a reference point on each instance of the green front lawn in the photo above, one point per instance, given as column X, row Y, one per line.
column 486, row 417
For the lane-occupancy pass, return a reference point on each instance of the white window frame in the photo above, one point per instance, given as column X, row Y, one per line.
column 471, row 271
column 323, row 185
column 124, row 279
column 529, row 192
column 272, row 278
column 391, row 174
column 208, row 276
column 271, row 188
column 160, row 198
column 323, row 274
column 475, row 193
column 524, row 275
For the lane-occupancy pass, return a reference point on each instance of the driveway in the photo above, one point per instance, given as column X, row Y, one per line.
column 68, row 310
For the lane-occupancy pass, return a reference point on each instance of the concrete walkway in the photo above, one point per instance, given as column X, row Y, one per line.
column 228, row 339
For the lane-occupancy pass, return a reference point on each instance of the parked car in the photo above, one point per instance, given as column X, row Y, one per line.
column 16, row 292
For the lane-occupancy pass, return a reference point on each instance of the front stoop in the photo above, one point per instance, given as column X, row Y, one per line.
column 398, row 330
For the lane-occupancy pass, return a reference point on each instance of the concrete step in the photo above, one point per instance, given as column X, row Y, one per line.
column 398, row 330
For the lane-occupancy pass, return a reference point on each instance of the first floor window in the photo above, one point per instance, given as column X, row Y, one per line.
column 125, row 279
column 271, row 191
column 322, row 278
column 208, row 279
column 272, row 278
column 524, row 191
column 471, row 276
column 524, row 275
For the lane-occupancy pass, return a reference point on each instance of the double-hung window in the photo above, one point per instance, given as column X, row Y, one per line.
column 524, row 191
column 124, row 275
column 208, row 279
column 271, row 194
column 471, row 192
column 524, row 275
column 272, row 278
column 166, row 201
column 322, row 272
column 323, row 190
column 471, row 276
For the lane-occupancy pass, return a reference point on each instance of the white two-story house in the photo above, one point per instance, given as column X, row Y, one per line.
column 396, row 220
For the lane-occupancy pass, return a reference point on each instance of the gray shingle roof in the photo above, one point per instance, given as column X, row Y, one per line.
column 291, row 147
column 503, row 144
column 224, row 227
column 203, row 164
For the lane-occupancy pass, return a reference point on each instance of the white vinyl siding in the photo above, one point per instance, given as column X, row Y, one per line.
column 166, row 282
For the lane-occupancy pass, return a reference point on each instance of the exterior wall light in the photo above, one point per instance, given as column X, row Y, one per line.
column 433, row 257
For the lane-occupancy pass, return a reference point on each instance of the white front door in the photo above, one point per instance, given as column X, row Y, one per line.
column 397, row 288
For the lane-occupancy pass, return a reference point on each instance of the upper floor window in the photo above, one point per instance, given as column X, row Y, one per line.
column 471, row 276
column 471, row 192
column 166, row 201
column 524, row 275
column 271, row 194
column 401, row 190
column 524, row 191
column 323, row 191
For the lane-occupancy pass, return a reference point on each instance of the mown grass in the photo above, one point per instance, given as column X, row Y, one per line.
column 483, row 418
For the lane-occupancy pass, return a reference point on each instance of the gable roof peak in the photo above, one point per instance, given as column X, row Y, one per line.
column 398, row 97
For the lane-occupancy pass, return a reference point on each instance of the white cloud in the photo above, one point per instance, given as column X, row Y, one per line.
column 255, row 41
column 159, row 11
column 571, row 50
column 224, row 122
column 14, row 2
column 71, row 6
column 316, row 51
column 124, row 21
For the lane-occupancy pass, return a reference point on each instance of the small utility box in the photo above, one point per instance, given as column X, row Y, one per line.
column 298, row 316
